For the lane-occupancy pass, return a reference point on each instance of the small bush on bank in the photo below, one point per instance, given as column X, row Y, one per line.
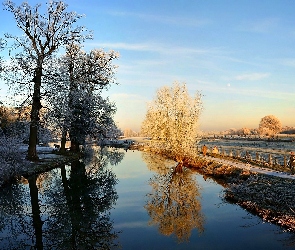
column 12, row 159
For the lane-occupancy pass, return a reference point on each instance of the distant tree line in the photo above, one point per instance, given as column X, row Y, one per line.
column 288, row 130
column 269, row 126
column 130, row 133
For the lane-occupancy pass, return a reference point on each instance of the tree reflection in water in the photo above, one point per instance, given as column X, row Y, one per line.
column 72, row 213
column 174, row 202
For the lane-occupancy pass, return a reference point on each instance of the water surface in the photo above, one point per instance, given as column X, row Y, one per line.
column 224, row 225
column 133, row 200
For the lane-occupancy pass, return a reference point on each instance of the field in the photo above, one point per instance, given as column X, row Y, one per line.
column 270, row 153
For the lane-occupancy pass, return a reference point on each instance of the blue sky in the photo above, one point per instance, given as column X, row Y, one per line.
column 239, row 54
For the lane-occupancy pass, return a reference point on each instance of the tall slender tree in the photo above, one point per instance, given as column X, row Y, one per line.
column 43, row 34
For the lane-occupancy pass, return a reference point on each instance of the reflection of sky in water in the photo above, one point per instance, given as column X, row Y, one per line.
column 226, row 226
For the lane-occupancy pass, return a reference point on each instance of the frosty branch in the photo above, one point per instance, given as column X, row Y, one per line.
column 43, row 34
column 172, row 121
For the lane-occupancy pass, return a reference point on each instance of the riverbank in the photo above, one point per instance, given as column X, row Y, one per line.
column 271, row 198
column 262, row 192
column 48, row 159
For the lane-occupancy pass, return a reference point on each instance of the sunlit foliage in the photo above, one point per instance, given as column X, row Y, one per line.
column 157, row 163
column 269, row 125
column 174, row 204
column 172, row 121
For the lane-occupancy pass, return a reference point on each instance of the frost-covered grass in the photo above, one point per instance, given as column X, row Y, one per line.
column 12, row 158
column 258, row 151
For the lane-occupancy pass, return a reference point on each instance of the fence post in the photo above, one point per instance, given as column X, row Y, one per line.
column 248, row 156
column 270, row 159
column 257, row 157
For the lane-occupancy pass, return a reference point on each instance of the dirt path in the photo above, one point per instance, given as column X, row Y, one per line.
column 250, row 167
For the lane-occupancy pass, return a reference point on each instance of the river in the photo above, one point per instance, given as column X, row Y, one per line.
column 131, row 200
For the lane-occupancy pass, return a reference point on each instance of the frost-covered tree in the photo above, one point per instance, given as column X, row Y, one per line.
column 91, row 115
column 113, row 131
column 172, row 121
column 130, row 133
column 43, row 34
column 89, row 74
column 269, row 125
column 244, row 131
column 78, row 108
column 14, row 123
column 6, row 117
column 2, row 45
column 11, row 157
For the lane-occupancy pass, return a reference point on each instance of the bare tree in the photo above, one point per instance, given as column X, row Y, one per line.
column 172, row 121
column 269, row 125
column 43, row 34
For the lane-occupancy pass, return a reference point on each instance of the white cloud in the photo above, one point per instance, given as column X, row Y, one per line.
column 260, row 26
column 288, row 62
column 251, row 92
column 124, row 46
column 156, row 47
column 251, row 76
column 171, row 20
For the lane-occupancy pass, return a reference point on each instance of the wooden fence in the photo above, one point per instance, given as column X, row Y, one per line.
column 275, row 160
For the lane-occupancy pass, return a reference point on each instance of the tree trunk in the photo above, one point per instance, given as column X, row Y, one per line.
column 32, row 151
column 77, row 181
column 37, row 222
column 178, row 168
column 36, row 106
column 75, row 146
column 63, row 141
column 73, row 86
